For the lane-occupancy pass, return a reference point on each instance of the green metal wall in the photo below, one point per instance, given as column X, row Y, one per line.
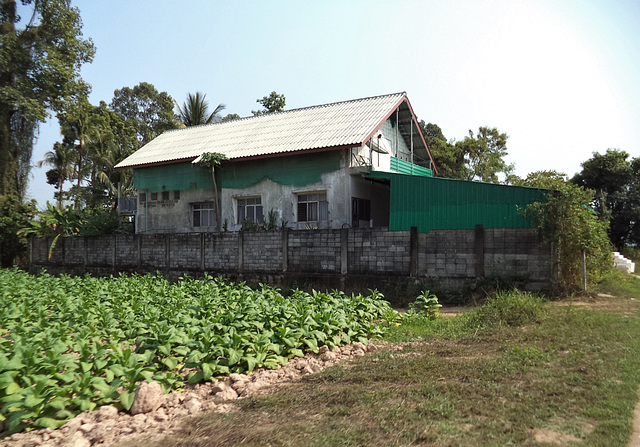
column 439, row 203
column 404, row 167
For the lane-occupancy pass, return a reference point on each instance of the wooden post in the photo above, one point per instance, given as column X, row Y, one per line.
column 344, row 251
column 584, row 271
column 479, row 251
column 413, row 250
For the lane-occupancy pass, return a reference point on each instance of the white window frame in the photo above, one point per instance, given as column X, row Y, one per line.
column 249, row 208
column 315, row 206
column 203, row 215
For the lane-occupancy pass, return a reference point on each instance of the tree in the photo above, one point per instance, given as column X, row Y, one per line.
column 13, row 217
column 484, row 155
column 195, row 110
column 272, row 103
column 449, row 159
column 211, row 160
column 571, row 227
column 230, row 117
column 145, row 109
column 478, row 157
column 40, row 69
column 61, row 160
column 612, row 177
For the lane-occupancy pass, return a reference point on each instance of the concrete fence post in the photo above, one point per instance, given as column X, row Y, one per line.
column 479, row 251
column 202, row 252
column 413, row 251
column 240, row 251
column 344, row 251
column 115, row 246
column 285, row 249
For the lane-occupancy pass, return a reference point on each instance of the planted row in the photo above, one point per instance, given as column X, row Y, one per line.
column 69, row 344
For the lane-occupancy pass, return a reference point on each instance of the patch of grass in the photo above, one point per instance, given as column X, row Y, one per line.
column 512, row 308
column 494, row 376
column 619, row 284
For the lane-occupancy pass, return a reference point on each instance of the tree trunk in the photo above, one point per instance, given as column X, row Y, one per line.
column 7, row 79
column 216, row 199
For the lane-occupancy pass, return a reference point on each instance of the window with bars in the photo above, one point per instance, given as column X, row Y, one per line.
column 250, row 209
column 313, row 207
column 203, row 214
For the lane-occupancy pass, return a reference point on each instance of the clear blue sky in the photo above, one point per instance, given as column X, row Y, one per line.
column 559, row 76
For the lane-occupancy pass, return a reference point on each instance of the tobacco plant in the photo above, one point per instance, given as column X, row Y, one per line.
column 70, row 344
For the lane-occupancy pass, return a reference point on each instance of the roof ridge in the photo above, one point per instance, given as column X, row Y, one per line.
column 244, row 118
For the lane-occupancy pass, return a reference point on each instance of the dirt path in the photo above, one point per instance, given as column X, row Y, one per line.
column 634, row 440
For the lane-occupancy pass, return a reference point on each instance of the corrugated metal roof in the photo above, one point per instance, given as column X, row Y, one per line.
column 324, row 126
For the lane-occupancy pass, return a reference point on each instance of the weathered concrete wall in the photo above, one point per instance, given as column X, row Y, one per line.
column 175, row 215
column 339, row 257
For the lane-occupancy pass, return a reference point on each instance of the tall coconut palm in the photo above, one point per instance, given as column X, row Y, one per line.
column 195, row 110
column 62, row 161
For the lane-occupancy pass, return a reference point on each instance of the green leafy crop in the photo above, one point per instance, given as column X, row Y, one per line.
column 70, row 344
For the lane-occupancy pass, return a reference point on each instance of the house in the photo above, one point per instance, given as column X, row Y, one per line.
column 303, row 168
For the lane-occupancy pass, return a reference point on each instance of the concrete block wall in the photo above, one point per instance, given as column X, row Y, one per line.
column 516, row 253
column 185, row 251
column 221, row 251
column 262, row 252
column 376, row 250
column 455, row 254
column 449, row 253
column 126, row 246
column 314, row 251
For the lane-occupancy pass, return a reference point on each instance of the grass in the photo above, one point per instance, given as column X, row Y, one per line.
column 518, row 371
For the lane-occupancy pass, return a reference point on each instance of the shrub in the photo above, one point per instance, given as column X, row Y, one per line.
column 513, row 308
column 425, row 305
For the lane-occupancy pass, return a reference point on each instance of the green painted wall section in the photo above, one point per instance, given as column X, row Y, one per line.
column 404, row 167
column 439, row 203
column 179, row 176
column 294, row 170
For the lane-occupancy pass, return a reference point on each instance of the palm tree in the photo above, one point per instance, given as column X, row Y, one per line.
column 195, row 111
column 62, row 161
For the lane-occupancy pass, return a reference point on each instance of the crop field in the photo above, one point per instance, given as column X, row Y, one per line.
column 70, row 344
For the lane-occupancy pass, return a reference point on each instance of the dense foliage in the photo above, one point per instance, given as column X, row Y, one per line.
column 71, row 344
column 14, row 216
column 478, row 156
column 41, row 52
column 616, row 180
column 572, row 228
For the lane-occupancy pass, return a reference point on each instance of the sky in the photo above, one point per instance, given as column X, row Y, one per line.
column 560, row 77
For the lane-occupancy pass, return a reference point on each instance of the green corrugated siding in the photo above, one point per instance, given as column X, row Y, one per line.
column 404, row 167
column 437, row 203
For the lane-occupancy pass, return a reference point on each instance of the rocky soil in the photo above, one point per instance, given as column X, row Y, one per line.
column 154, row 415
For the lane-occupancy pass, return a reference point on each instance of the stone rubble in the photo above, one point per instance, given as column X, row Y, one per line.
column 154, row 415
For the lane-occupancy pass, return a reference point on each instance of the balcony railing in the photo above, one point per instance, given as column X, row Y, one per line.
column 127, row 205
